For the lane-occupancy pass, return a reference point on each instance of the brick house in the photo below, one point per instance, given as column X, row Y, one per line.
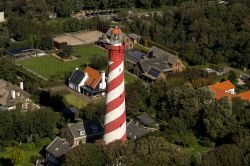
column 156, row 64
column 75, row 134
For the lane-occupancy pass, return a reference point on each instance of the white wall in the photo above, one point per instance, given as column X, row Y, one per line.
column 231, row 91
column 1, row 16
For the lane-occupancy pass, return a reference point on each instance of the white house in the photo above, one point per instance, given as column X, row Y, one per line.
column 90, row 82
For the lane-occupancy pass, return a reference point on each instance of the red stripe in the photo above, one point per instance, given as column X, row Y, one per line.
column 115, row 103
column 115, row 82
column 124, row 138
column 114, row 65
column 115, row 124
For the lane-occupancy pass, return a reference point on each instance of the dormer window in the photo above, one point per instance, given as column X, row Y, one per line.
column 81, row 132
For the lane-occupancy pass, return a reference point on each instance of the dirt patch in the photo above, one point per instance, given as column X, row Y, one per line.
column 79, row 38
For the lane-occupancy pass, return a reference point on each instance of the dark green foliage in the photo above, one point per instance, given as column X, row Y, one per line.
column 224, row 155
column 201, row 32
column 85, row 155
column 93, row 111
column 7, row 70
column 233, row 77
column 99, row 62
column 27, row 126
column 145, row 151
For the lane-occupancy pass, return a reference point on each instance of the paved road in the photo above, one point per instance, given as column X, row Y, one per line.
column 228, row 69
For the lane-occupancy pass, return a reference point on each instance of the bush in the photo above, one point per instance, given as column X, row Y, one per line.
column 40, row 142
column 28, row 146
column 33, row 158
column 63, row 55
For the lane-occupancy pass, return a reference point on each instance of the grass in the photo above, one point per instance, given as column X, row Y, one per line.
column 129, row 77
column 5, row 156
column 74, row 101
column 195, row 146
column 141, row 47
column 51, row 67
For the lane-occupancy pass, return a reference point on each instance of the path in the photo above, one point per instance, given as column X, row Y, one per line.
column 228, row 69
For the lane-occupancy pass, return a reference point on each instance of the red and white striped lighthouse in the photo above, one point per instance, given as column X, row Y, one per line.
column 115, row 117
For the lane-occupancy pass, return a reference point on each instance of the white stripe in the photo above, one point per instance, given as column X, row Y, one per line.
column 115, row 93
column 116, row 72
column 116, row 134
column 114, row 114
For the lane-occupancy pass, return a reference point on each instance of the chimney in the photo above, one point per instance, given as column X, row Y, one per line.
column 103, row 81
column 13, row 94
column 21, row 85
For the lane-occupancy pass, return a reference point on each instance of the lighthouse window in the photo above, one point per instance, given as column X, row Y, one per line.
column 120, row 69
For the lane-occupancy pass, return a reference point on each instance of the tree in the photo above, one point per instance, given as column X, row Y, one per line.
column 99, row 62
column 233, row 77
column 16, row 155
column 224, row 155
column 85, row 155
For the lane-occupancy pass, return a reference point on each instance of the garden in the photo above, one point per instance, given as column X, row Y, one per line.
column 51, row 67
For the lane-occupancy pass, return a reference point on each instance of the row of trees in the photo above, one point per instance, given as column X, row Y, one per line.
column 202, row 32
column 146, row 151
column 25, row 127
column 187, row 114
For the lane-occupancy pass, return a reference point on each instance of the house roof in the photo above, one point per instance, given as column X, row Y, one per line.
column 134, row 36
column 70, row 110
column 160, row 63
column 244, row 95
column 224, row 86
column 135, row 131
column 75, row 129
column 157, row 52
column 93, row 127
column 145, row 119
column 134, row 55
column 5, row 94
column 94, row 77
column 76, row 77
column 159, row 59
column 58, row 147
column 19, row 50
column 220, row 93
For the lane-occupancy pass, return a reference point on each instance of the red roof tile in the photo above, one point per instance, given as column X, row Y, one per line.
column 224, row 86
column 94, row 77
column 244, row 95
column 220, row 93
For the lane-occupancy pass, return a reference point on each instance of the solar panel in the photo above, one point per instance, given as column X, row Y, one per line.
column 137, row 54
column 154, row 72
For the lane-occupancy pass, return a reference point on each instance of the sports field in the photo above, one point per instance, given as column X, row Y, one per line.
column 50, row 67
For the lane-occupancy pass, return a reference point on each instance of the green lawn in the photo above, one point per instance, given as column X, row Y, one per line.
column 74, row 101
column 5, row 156
column 50, row 67
column 129, row 77
column 141, row 47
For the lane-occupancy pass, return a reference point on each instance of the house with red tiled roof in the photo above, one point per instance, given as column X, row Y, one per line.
column 227, row 88
column 89, row 82
column 244, row 95
column 222, row 89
